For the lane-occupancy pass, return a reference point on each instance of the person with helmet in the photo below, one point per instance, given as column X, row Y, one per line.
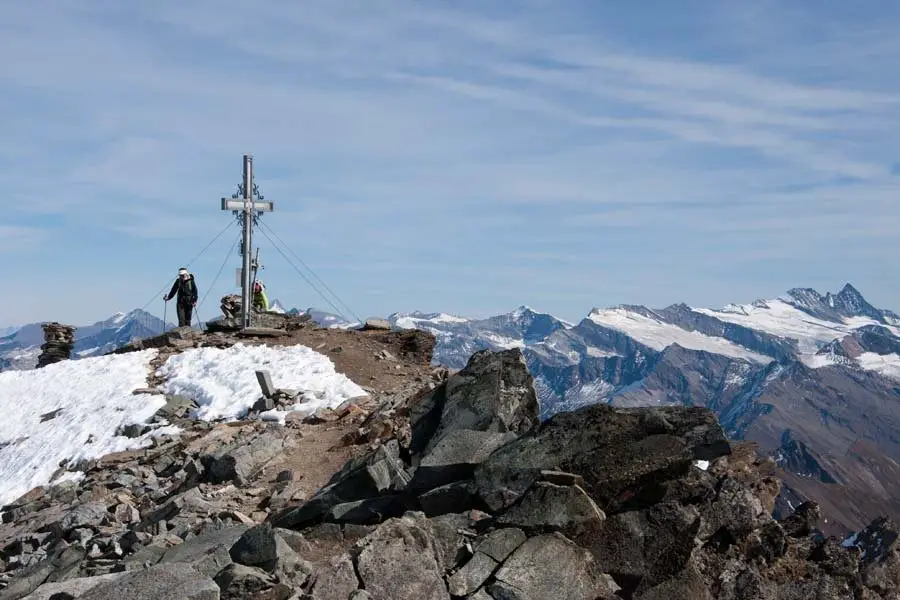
column 260, row 300
column 186, row 289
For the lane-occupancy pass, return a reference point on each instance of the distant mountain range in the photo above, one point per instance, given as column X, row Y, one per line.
column 21, row 348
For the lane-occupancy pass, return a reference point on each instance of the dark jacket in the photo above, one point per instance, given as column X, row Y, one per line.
column 186, row 289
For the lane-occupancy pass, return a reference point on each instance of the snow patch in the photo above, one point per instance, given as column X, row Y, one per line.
column 702, row 464
column 223, row 381
column 595, row 352
column 885, row 364
column 658, row 334
column 69, row 410
column 782, row 319
column 501, row 341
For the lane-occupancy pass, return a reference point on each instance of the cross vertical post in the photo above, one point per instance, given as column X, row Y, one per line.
column 248, row 240
column 243, row 204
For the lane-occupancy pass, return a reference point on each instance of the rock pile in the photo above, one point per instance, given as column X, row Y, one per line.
column 231, row 306
column 58, row 342
column 187, row 500
column 469, row 497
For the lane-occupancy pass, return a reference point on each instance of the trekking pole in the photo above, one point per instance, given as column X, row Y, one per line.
column 165, row 308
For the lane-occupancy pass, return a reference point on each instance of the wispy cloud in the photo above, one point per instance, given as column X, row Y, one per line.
column 421, row 140
column 16, row 239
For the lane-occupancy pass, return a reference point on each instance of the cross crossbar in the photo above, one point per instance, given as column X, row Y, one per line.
column 241, row 204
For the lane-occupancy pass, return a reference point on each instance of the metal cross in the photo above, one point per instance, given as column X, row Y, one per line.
column 245, row 205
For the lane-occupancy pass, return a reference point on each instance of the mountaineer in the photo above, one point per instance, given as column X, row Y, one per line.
column 186, row 289
column 260, row 300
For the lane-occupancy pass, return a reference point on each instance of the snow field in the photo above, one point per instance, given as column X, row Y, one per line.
column 223, row 381
column 658, row 334
column 71, row 410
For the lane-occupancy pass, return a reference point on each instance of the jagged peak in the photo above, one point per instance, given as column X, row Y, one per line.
column 849, row 290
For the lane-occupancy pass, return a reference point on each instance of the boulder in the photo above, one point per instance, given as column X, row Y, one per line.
column 370, row 511
column 238, row 581
column 256, row 548
column 455, row 457
column 624, row 467
column 241, row 461
column 90, row 514
column 208, row 553
column 74, row 588
column 399, row 561
column 501, row 543
column 161, row 582
column 376, row 324
column 472, row 575
column 546, row 507
column 337, row 581
column 547, row 566
column 493, row 393
column 642, row 549
column 450, row 498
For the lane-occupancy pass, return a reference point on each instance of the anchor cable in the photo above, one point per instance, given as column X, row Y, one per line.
column 294, row 254
column 306, row 279
column 221, row 268
column 199, row 254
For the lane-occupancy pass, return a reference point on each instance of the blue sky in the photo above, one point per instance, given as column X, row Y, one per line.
column 465, row 157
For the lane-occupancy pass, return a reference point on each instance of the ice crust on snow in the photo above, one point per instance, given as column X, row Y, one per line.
column 658, row 334
column 223, row 381
column 52, row 413
column 93, row 398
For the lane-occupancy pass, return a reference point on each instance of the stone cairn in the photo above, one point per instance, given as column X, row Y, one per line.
column 58, row 342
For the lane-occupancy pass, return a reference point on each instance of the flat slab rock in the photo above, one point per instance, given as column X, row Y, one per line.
column 547, row 566
column 161, row 582
column 399, row 561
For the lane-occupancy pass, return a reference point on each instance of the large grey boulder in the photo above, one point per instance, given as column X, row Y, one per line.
column 626, row 457
column 262, row 548
column 90, row 514
column 646, row 547
column 208, row 553
column 547, row 507
column 493, row 393
column 399, row 560
column 161, row 582
column 548, row 566
column 455, row 456
column 73, row 587
column 336, row 581
column 238, row 581
column 243, row 460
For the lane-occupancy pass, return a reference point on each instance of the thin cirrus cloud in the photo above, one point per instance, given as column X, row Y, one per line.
column 614, row 148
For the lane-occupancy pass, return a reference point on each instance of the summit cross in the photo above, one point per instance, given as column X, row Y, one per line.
column 245, row 203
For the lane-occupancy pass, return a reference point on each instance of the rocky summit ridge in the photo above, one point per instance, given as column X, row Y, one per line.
column 452, row 489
